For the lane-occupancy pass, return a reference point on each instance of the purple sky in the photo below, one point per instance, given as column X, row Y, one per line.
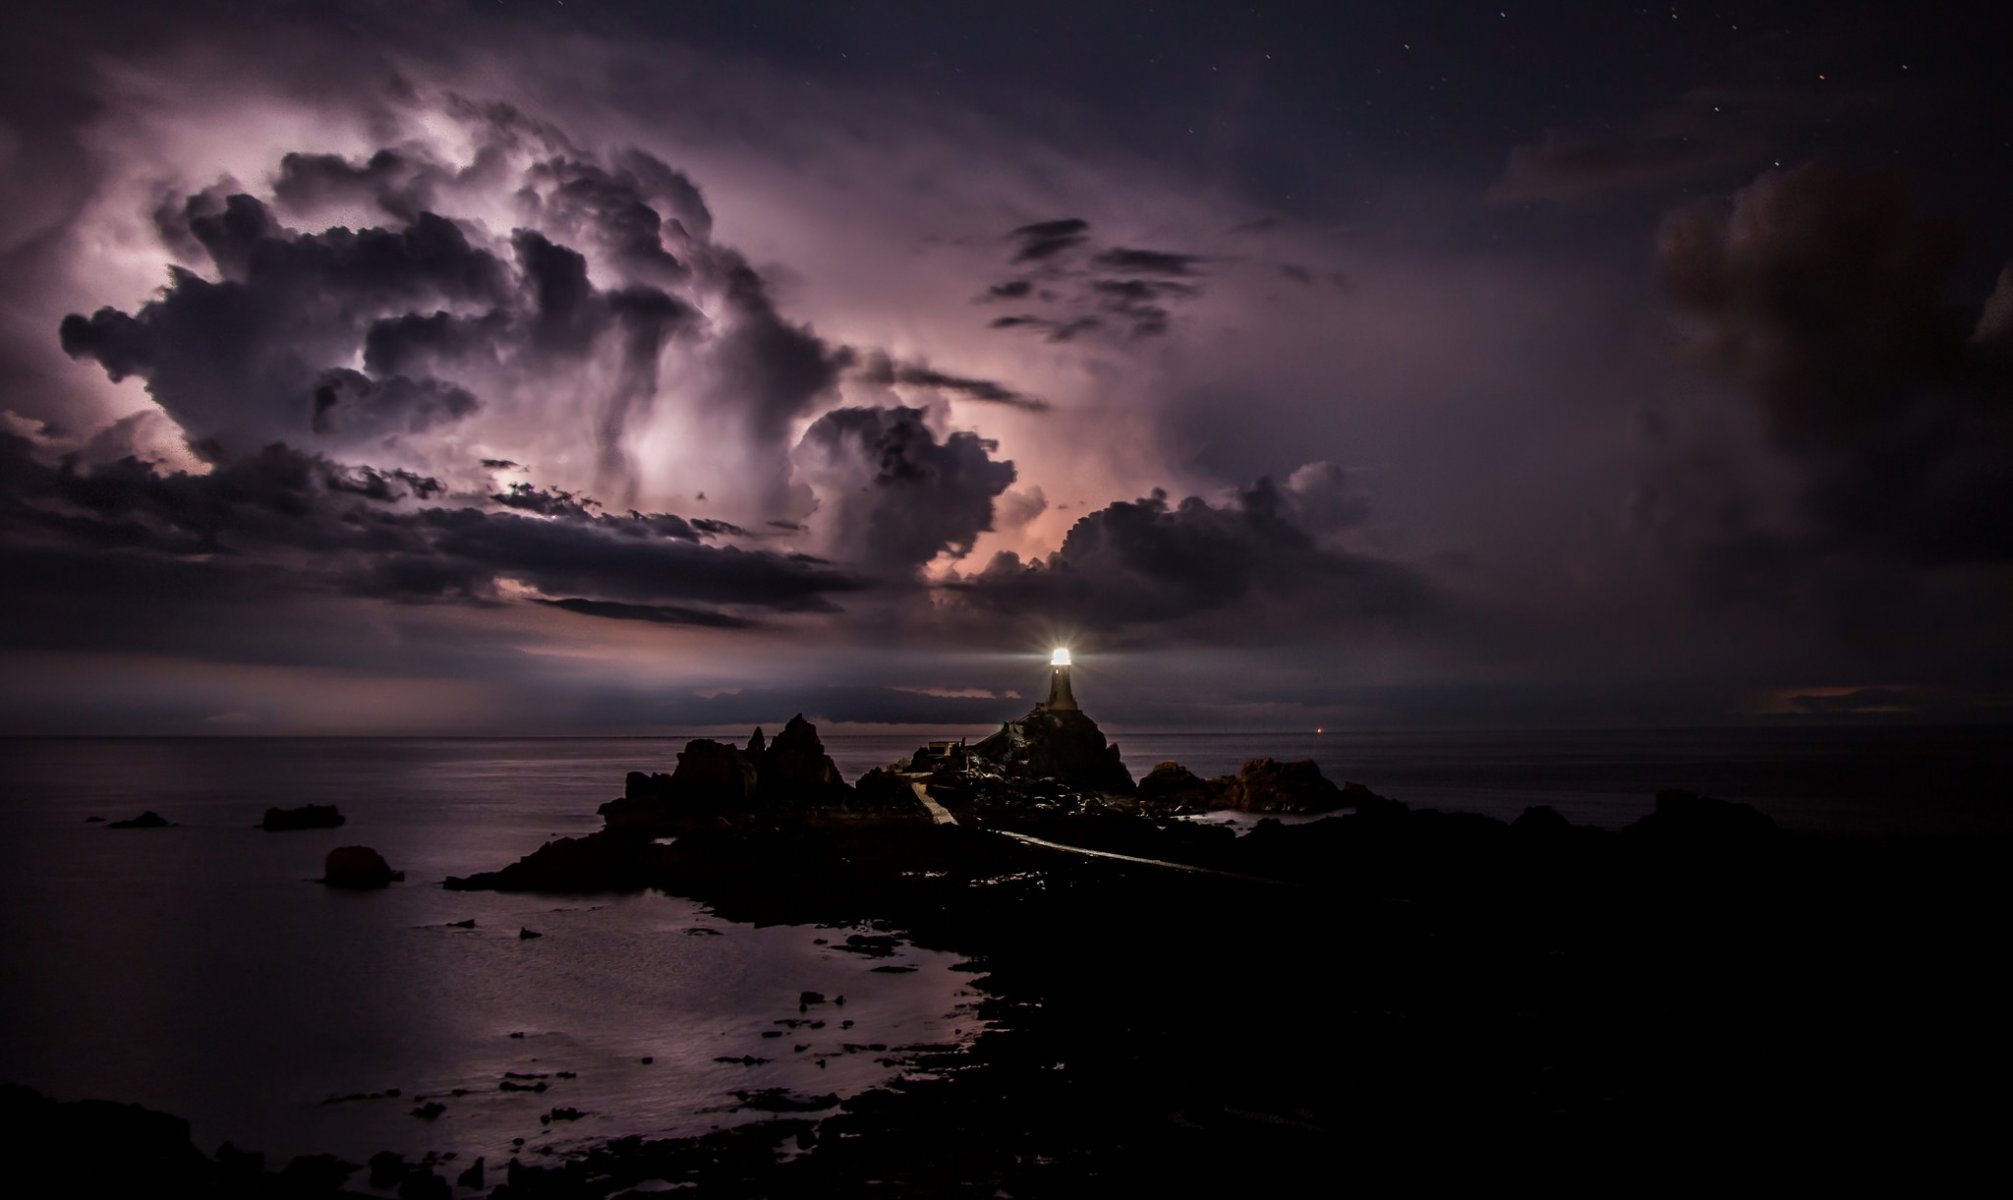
column 612, row 367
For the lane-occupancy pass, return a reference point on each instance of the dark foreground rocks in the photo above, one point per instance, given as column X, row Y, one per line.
column 1390, row 995
column 307, row 816
column 358, row 868
column 98, row 1148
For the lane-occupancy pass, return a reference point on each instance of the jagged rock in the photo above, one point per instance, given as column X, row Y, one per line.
column 613, row 860
column 1063, row 743
column 713, row 775
column 756, row 745
column 1270, row 786
column 472, row 1177
column 146, row 820
column 1171, row 787
column 358, row 867
column 795, row 769
column 307, row 816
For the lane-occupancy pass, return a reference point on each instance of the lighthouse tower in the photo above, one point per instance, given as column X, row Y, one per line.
column 1059, row 695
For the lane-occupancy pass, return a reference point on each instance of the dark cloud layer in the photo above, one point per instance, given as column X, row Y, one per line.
column 282, row 521
column 1825, row 296
column 1258, row 566
column 879, row 368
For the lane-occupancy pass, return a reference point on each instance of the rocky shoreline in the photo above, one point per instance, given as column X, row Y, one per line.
column 1380, row 994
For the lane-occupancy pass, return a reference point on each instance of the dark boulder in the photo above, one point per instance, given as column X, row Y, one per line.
column 1171, row 787
column 1269, row 786
column 307, row 816
column 146, row 820
column 609, row 861
column 358, row 867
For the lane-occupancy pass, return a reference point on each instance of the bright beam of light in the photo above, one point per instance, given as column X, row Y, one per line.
column 1060, row 658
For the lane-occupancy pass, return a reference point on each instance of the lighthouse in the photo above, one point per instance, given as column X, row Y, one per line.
column 1059, row 695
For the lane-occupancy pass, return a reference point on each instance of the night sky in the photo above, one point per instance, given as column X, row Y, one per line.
column 612, row 367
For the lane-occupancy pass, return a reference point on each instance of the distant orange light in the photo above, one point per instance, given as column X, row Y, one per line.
column 1321, row 729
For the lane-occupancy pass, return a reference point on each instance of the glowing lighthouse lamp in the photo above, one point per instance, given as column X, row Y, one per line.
column 1059, row 696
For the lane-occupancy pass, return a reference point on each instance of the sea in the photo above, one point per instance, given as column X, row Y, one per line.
column 198, row 970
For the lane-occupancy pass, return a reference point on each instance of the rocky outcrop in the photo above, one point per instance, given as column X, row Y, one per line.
column 716, row 782
column 1171, row 788
column 713, row 775
column 146, row 820
column 1266, row 785
column 307, row 816
column 1062, row 744
column 794, row 768
column 613, row 860
column 358, row 868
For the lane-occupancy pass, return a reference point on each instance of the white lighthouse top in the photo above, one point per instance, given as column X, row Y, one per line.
column 1060, row 658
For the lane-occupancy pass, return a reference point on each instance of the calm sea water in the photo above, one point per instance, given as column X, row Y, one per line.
column 194, row 969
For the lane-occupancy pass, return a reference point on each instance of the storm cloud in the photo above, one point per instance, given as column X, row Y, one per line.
column 897, row 497
column 1261, row 563
column 1825, row 296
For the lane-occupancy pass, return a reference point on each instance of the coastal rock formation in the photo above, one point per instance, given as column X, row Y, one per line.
column 1173, row 788
column 1059, row 743
column 307, row 816
column 614, row 860
column 713, row 774
column 1266, row 785
column 359, row 868
column 714, row 782
column 794, row 768
column 146, row 820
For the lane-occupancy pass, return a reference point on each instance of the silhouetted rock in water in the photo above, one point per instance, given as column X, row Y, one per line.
column 789, row 776
column 795, row 769
column 94, row 820
column 613, row 860
column 307, row 816
column 525, row 935
column 472, row 1177
column 1171, row 787
column 146, row 820
column 1268, row 786
column 713, row 775
column 1686, row 821
column 358, row 867
column 1063, row 744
